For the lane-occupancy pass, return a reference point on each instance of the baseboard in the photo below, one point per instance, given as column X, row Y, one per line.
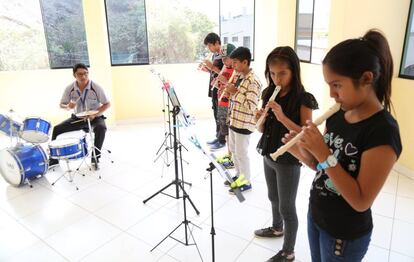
column 404, row 170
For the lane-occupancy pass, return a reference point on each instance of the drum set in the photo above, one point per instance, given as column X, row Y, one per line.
column 25, row 159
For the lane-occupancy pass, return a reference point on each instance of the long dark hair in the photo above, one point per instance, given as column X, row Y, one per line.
column 353, row 57
column 285, row 54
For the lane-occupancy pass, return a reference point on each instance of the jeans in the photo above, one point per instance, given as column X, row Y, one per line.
column 326, row 248
column 282, row 182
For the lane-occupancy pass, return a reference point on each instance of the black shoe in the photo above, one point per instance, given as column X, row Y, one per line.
column 281, row 256
column 268, row 232
column 212, row 142
column 53, row 162
column 94, row 163
column 217, row 146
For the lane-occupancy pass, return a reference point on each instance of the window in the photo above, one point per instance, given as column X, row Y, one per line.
column 177, row 29
column 246, row 41
column 312, row 26
column 22, row 45
column 407, row 61
column 127, row 31
column 65, row 32
column 225, row 40
column 237, row 21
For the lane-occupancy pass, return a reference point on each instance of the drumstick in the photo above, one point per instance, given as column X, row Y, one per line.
column 230, row 80
column 332, row 110
column 77, row 121
column 263, row 116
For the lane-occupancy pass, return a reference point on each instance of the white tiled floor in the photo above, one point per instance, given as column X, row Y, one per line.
column 106, row 219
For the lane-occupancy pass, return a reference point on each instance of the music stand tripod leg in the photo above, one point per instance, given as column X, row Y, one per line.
column 187, row 229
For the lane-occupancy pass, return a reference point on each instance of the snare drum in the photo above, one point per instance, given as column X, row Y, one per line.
column 35, row 130
column 22, row 162
column 65, row 148
column 5, row 123
column 81, row 135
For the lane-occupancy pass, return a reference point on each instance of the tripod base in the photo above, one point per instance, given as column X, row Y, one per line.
column 178, row 183
column 70, row 173
column 186, row 243
column 95, row 158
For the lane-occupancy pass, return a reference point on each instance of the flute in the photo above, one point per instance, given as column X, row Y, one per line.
column 208, row 57
column 262, row 118
column 230, row 80
column 332, row 110
column 216, row 80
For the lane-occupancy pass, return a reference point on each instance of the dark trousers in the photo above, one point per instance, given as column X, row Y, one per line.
column 214, row 101
column 222, row 120
column 98, row 125
column 282, row 182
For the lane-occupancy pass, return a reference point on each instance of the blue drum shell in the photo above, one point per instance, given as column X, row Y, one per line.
column 31, row 124
column 84, row 151
column 5, row 126
column 66, row 151
column 32, row 160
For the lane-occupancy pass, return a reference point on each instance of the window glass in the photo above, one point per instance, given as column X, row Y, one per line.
column 65, row 32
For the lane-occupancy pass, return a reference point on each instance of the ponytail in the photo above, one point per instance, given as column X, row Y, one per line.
column 372, row 53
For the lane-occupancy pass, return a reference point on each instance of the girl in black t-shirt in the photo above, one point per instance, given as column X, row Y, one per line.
column 289, row 111
column 357, row 152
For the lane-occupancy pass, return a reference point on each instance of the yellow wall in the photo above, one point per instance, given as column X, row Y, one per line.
column 136, row 94
column 352, row 18
column 38, row 92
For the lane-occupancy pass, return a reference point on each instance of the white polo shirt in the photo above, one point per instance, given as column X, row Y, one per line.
column 92, row 97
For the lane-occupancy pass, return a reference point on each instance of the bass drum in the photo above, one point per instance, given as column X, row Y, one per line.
column 22, row 162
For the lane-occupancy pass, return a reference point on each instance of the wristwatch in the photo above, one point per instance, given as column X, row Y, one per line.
column 331, row 161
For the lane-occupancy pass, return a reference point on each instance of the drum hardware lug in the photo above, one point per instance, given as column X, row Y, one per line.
column 38, row 124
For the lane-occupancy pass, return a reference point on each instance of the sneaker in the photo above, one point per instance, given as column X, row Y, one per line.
column 242, row 188
column 229, row 164
column 217, row 146
column 223, row 159
column 215, row 140
column 268, row 232
column 227, row 183
column 281, row 256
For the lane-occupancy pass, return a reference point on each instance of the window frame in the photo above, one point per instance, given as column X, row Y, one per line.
column 296, row 32
column 410, row 19
column 109, row 37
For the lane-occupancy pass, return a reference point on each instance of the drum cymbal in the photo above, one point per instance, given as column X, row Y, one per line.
column 87, row 113
column 13, row 115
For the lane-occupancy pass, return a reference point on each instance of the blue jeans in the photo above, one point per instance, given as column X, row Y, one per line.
column 326, row 248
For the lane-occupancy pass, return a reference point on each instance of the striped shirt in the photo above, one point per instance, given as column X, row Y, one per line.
column 244, row 102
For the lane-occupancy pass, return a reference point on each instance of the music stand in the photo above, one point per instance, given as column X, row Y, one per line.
column 225, row 175
column 177, row 146
column 178, row 181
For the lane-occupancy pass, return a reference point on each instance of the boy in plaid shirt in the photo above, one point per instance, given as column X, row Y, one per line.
column 244, row 100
